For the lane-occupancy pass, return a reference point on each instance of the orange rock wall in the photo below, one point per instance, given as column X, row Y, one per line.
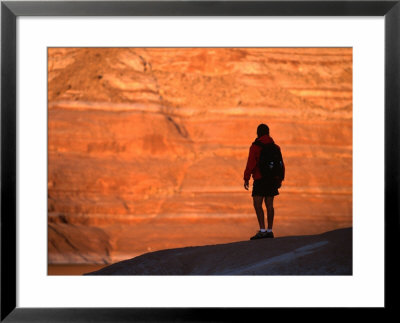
column 140, row 134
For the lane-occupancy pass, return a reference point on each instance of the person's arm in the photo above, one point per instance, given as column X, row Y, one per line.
column 251, row 164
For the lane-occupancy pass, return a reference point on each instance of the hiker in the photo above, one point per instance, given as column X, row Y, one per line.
column 266, row 165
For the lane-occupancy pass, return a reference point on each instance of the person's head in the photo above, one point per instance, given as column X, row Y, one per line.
column 262, row 130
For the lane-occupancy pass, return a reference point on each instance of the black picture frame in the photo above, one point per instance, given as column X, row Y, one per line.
column 10, row 10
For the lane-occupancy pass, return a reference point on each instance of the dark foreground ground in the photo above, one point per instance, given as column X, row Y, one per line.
column 329, row 253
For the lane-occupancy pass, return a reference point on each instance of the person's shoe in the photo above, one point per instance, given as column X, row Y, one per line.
column 269, row 235
column 258, row 235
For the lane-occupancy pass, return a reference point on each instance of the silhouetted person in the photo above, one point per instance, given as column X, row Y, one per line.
column 266, row 165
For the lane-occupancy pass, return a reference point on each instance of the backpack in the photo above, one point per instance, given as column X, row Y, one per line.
column 271, row 162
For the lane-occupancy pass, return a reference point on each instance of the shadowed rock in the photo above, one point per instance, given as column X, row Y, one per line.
column 329, row 253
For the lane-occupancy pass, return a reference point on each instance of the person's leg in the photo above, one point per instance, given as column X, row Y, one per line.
column 257, row 202
column 269, row 203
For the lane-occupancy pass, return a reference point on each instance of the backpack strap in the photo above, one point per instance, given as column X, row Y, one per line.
column 258, row 143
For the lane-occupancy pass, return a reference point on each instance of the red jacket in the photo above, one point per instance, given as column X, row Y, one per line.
column 254, row 156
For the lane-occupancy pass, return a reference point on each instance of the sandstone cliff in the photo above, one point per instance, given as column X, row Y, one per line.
column 148, row 145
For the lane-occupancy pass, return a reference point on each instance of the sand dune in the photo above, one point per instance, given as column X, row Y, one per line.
column 329, row 253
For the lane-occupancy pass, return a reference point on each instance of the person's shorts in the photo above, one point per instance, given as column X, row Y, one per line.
column 263, row 187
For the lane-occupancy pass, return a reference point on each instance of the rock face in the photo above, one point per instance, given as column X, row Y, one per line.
column 325, row 254
column 156, row 139
column 78, row 244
